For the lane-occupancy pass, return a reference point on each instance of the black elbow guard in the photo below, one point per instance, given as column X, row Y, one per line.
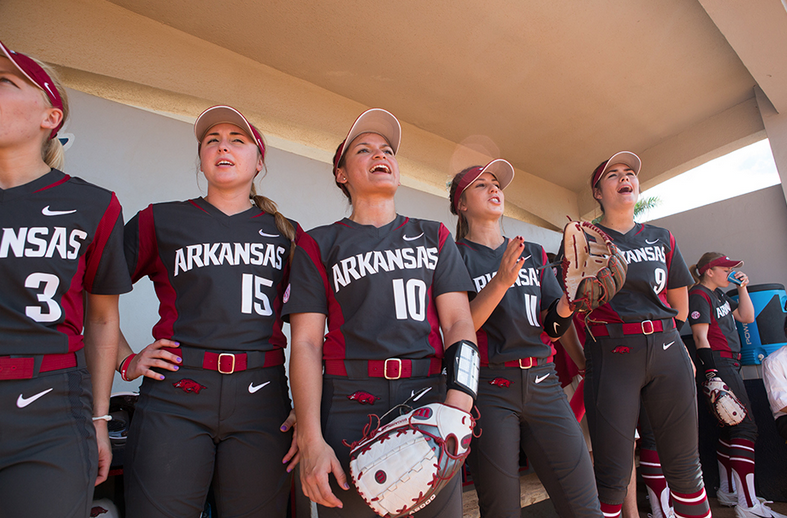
column 462, row 366
column 554, row 324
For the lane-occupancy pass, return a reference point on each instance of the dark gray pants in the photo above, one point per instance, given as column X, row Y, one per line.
column 656, row 370
column 529, row 412
column 209, row 428
column 48, row 450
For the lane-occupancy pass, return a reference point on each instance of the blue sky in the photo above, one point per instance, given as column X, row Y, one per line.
column 748, row 169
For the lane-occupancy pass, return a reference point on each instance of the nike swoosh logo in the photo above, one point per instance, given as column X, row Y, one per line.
column 46, row 212
column 651, row 242
column 667, row 346
column 263, row 234
column 555, row 324
column 526, row 258
column 253, row 389
column 419, row 396
column 22, row 401
column 539, row 379
column 412, row 238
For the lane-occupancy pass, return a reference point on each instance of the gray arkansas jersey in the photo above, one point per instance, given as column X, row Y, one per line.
column 363, row 277
column 513, row 330
column 715, row 308
column 61, row 236
column 655, row 265
column 219, row 279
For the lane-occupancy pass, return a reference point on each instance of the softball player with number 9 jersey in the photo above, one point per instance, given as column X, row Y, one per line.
column 61, row 268
column 219, row 265
column 634, row 352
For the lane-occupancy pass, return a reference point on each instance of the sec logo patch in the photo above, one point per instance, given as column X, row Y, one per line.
column 695, row 315
column 286, row 295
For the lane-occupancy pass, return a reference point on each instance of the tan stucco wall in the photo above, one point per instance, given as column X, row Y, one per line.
column 113, row 53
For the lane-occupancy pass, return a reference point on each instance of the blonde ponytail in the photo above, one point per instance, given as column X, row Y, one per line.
column 54, row 154
column 282, row 223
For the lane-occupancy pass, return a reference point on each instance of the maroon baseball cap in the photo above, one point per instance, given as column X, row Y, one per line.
column 222, row 114
column 36, row 75
column 375, row 120
column 723, row 261
column 502, row 169
column 621, row 157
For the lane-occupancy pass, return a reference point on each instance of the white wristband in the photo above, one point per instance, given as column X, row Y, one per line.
column 103, row 418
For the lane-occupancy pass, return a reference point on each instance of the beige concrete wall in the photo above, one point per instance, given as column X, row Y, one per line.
column 113, row 53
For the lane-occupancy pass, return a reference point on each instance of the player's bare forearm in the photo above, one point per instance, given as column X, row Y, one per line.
column 453, row 310
column 678, row 298
column 460, row 400
column 102, row 334
column 744, row 313
column 306, row 372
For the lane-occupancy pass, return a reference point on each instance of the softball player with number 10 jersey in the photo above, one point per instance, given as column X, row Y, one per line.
column 387, row 284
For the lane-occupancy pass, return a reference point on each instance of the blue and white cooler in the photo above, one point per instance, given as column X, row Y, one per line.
column 766, row 333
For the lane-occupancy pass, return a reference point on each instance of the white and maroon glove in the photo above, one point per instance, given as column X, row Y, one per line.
column 399, row 468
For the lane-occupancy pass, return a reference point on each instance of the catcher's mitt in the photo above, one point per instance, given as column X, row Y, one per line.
column 399, row 468
column 727, row 408
column 593, row 269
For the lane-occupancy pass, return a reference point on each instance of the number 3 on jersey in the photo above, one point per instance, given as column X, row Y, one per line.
column 50, row 282
column 251, row 291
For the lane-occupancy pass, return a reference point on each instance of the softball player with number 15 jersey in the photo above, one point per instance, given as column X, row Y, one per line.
column 219, row 265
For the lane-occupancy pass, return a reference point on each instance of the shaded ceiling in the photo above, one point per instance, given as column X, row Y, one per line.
column 557, row 86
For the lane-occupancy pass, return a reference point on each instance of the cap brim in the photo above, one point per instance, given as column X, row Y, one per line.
column 729, row 263
column 502, row 169
column 222, row 114
column 375, row 120
column 623, row 157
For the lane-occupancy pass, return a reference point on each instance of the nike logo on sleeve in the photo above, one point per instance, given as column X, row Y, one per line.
column 22, row 401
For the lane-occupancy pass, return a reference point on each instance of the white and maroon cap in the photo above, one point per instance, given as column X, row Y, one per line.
column 375, row 120
column 222, row 114
column 38, row 76
column 502, row 169
column 722, row 261
column 621, row 157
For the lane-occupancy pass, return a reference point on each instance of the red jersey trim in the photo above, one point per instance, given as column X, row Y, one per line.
column 61, row 181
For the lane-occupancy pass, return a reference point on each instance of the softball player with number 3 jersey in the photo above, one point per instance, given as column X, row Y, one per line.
column 219, row 265
column 634, row 352
column 61, row 268
column 386, row 284
column 520, row 401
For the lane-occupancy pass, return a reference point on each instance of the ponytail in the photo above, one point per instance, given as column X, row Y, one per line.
column 696, row 274
column 54, row 154
column 282, row 223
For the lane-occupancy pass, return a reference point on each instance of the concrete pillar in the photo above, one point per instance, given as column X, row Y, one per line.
column 776, row 129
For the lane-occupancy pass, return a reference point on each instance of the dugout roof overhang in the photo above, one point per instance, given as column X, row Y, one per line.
column 553, row 86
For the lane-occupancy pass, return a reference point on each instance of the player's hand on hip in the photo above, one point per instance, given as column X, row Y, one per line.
column 318, row 460
column 293, row 456
column 153, row 356
column 104, row 450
